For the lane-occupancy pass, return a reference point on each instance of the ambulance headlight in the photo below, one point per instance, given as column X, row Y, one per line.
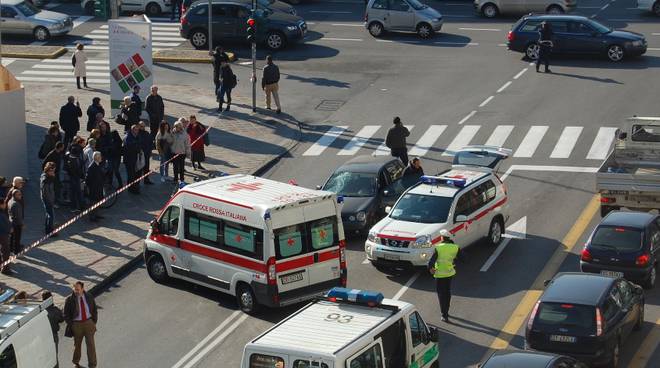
column 372, row 237
column 423, row 241
column 361, row 216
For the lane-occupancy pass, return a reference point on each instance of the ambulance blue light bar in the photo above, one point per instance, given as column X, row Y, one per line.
column 439, row 180
column 364, row 297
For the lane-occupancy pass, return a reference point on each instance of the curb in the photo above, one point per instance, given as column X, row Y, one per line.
column 185, row 59
column 28, row 55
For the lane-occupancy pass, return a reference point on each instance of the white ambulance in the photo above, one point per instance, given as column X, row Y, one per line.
column 268, row 243
column 347, row 329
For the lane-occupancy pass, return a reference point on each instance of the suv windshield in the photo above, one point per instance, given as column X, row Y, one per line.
column 622, row 239
column 27, row 9
column 600, row 27
column 426, row 209
column 352, row 184
column 417, row 5
column 579, row 319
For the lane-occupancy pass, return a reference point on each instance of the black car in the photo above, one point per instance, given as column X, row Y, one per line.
column 624, row 244
column 529, row 359
column 585, row 316
column 368, row 184
column 575, row 35
column 275, row 29
column 274, row 5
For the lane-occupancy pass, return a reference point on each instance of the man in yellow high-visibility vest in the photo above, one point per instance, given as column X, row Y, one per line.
column 441, row 266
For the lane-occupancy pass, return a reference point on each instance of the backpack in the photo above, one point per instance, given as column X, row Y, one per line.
column 73, row 60
column 233, row 81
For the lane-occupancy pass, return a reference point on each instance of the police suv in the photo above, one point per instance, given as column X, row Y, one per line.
column 469, row 200
column 347, row 329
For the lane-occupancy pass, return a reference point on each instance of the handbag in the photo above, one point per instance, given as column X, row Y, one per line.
column 139, row 164
column 68, row 330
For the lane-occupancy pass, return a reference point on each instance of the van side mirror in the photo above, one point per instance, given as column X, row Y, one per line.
column 155, row 226
column 388, row 209
column 461, row 218
column 623, row 135
column 433, row 333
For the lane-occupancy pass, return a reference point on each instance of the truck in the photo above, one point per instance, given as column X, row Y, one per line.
column 630, row 176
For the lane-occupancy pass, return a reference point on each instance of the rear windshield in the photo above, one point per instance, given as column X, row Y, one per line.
column 621, row 239
column 427, row 209
column 645, row 133
column 485, row 159
column 574, row 317
column 265, row 361
column 294, row 240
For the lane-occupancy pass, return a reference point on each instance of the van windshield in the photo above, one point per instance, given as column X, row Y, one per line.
column 417, row 5
column 309, row 237
column 578, row 319
column 621, row 239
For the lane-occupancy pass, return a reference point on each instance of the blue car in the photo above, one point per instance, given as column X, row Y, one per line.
column 575, row 35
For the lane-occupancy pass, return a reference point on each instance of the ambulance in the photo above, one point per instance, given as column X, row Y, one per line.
column 264, row 242
column 347, row 329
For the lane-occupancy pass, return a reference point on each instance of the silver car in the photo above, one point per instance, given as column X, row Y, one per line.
column 21, row 17
column 402, row 16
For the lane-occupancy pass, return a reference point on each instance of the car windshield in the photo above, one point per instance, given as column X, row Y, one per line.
column 352, row 184
column 600, row 27
column 578, row 319
column 417, row 5
column 622, row 239
column 27, row 9
column 426, row 209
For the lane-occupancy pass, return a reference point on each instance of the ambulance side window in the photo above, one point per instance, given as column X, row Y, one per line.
column 323, row 233
column 299, row 363
column 417, row 330
column 370, row 358
column 266, row 361
column 243, row 239
column 225, row 235
column 8, row 358
column 169, row 222
column 462, row 205
column 202, row 229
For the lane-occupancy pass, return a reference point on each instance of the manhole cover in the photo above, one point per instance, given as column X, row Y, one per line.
column 330, row 105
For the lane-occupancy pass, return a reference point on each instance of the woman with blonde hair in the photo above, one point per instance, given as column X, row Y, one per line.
column 79, row 67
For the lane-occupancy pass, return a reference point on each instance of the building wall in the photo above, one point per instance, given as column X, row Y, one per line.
column 13, row 132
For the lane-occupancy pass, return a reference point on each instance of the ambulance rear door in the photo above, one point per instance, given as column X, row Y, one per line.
column 290, row 243
column 324, row 239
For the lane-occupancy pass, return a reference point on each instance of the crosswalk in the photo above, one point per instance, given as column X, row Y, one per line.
column 554, row 142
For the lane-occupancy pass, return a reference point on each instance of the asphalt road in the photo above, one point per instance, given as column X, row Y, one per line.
column 462, row 86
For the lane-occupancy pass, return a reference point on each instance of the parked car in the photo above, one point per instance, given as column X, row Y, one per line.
column 401, row 16
column 585, row 316
column 529, row 359
column 368, row 184
column 275, row 29
column 624, row 244
column 493, row 8
column 22, row 18
column 650, row 6
column 151, row 8
column 274, row 5
column 575, row 35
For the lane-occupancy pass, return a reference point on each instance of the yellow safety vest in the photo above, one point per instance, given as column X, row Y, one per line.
column 444, row 264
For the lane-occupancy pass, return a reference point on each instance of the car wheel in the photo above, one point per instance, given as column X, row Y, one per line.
column 490, row 10
column 495, row 232
column 656, row 8
column 41, row 34
column 376, row 29
column 532, row 51
column 89, row 8
column 245, row 299
column 650, row 282
column 615, row 53
column 640, row 319
column 275, row 41
column 424, row 30
column 614, row 363
column 555, row 10
column 152, row 9
column 157, row 269
column 199, row 39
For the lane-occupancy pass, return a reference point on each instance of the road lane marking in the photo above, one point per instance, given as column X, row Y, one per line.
column 601, row 146
column 387, row 41
column 383, row 150
column 462, row 139
column 80, row 20
column 405, row 287
column 605, row 6
column 481, row 29
column 325, row 141
column 517, row 230
column 499, row 135
column 456, row 43
column 521, row 312
column 216, row 342
column 655, row 34
column 341, row 39
column 359, row 140
column 467, row 117
column 427, row 140
column 504, row 87
column 68, row 62
column 531, row 141
column 645, row 351
column 60, row 73
column 549, row 168
column 566, row 143
column 366, row 261
column 486, row 101
column 206, row 339
column 520, row 73
column 6, row 61
column 22, row 78
column 105, row 68
column 653, row 49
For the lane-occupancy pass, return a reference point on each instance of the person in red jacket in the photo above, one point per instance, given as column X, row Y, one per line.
column 196, row 134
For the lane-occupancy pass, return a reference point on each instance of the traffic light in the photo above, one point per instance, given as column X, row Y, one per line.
column 251, row 30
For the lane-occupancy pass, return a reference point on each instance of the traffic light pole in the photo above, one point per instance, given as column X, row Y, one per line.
column 210, row 35
column 254, row 62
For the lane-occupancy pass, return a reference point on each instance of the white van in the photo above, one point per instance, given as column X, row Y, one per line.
column 347, row 329
column 268, row 243
column 26, row 338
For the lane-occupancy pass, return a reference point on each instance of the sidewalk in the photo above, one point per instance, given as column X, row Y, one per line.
column 241, row 142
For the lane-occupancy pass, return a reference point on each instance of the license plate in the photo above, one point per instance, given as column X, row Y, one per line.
column 562, row 338
column 391, row 257
column 287, row 279
column 611, row 273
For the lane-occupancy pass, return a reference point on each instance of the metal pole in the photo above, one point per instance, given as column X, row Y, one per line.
column 114, row 9
column 1, row 37
column 210, row 27
column 254, row 59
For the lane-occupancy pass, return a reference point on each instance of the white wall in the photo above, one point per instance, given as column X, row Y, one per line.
column 13, row 132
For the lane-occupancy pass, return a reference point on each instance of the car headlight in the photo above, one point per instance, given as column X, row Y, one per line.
column 361, row 216
column 637, row 43
column 372, row 237
column 291, row 28
column 438, row 19
column 423, row 241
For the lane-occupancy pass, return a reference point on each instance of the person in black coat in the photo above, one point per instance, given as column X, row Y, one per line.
column 220, row 58
column 73, row 164
column 147, row 145
column 156, row 110
column 69, row 122
column 414, row 171
column 129, row 113
column 55, row 156
column 135, row 97
column 94, row 181
column 114, row 156
column 396, row 140
column 545, row 46
column 94, row 109
column 131, row 150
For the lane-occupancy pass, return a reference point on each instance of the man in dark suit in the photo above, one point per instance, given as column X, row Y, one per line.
column 69, row 122
column 81, row 315
column 94, row 181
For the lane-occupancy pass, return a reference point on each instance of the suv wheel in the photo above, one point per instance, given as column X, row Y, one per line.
column 532, row 51
column 199, row 39
column 555, row 10
column 490, row 10
column 615, row 53
column 245, row 299
column 653, row 275
column 152, row 9
column 376, row 29
column 424, row 30
column 495, row 232
column 41, row 34
column 275, row 41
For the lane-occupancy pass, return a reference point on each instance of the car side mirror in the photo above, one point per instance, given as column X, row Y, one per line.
column 546, row 283
column 386, row 193
column 318, row 187
column 623, row 135
column 388, row 209
column 433, row 333
column 155, row 226
column 461, row 218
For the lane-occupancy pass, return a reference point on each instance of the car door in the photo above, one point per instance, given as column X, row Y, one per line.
column 560, row 31
column 11, row 21
column 582, row 39
column 483, row 198
column 393, row 171
column 169, row 233
column 462, row 231
column 369, row 357
column 630, row 307
column 379, row 11
column 224, row 25
column 420, row 347
column 401, row 16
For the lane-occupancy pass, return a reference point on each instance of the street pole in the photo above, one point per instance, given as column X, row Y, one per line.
column 254, row 61
column 1, row 37
column 114, row 9
column 210, row 28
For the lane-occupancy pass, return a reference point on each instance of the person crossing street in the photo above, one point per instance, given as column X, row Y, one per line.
column 545, row 46
column 396, row 140
column 441, row 266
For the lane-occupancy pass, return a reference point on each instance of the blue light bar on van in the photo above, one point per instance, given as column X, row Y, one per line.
column 364, row 297
column 439, row 180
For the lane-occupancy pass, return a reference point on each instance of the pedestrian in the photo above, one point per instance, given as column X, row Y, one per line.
column 4, row 189
column 176, row 7
column 114, row 156
column 220, row 58
column 396, row 140
column 55, row 156
column 20, row 298
column 73, row 165
column 69, row 115
column 441, row 266
column 414, row 170
column 135, row 97
column 55, row 317
column 147, row 145
column 104, row 140
column 155, row 109
column 545, row 46
column 164, row 140
column 92, row 113
column 47, row 191
column 81, row 315
column 17, row 183
column 180, row 149
column 196, row 131
column 131, row 151
column 50, row 139
column 17, row 220
column 129, row 115
column 270, row 83
column 5, row 231
column 94, row 182
column 227, row 82
column 88, row 154
column 79, row 60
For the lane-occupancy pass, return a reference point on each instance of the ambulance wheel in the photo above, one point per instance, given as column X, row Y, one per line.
column 245, row 299
column 496, row 231
column 157, row 269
